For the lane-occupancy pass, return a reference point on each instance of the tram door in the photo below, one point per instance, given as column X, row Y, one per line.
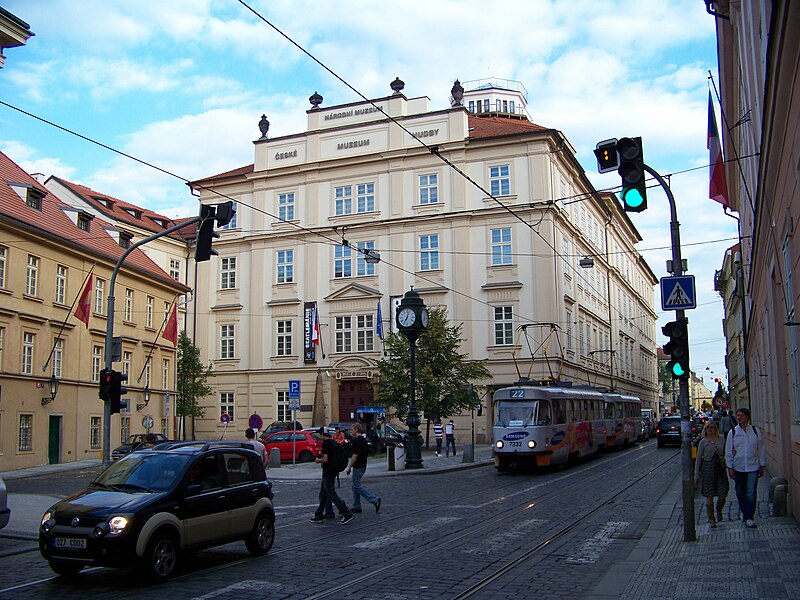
column 352, row 394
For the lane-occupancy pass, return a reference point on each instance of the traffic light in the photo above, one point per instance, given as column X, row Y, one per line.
column 631, row 169
column 607, row 157
column 677, row 348
column 105, row 385
column 205, row 234
column 117, row 390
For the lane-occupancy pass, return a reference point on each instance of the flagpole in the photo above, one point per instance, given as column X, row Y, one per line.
column 155, row 341
column 69, row 314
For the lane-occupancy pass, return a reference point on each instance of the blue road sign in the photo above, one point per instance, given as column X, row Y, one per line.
column 678, row 293
column 294, row 388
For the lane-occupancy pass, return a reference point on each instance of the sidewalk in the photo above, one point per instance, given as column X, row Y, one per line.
column 730, row 562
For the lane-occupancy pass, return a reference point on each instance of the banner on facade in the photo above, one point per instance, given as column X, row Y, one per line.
column 310, row 332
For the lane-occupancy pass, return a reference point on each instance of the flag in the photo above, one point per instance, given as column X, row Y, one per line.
column 379, row 327
column 171, row 329
column 315, row 328
column 718, row 185
column 84, row 309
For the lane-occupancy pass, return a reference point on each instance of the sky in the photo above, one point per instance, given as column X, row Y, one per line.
column 182, row 84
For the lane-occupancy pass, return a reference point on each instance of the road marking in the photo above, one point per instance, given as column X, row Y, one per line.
column 500, row 541
column 250, row 585
column 591, row 549
column 402, row 534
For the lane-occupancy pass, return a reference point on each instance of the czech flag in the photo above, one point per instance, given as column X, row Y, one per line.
column 84, row 309
column 718, row 185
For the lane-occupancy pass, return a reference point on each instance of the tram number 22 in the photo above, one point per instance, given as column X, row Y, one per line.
column 517, row 393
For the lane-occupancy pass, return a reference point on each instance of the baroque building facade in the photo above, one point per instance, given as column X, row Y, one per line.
column 482, row 211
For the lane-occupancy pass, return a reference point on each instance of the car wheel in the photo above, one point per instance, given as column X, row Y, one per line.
column 260, row 539
column 160, row 557
column 64, row 568
column 305, row 456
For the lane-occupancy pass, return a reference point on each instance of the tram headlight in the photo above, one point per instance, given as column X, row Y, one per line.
column 531, row 444
column 499, row 444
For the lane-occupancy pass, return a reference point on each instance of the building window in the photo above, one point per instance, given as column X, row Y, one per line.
column 226, row 404
column 2, row 343
column 344, row 334
column 472, row 106
column 61, row 284
column 28, row 343
column 282, row 406
column 343, row 200
column 125, row 240
column 164, row 428
column 227, row 273
column 501, row 246
column 124, row 429
column 499, row 180
column 362, row 266
column 165, row 370
column 3, row 258
column 175, row 269
column 285, row 273
column 342, row 262
column 83, row 225
column 34, row 199
column 429, row 252
column 97, row 361
column 569, row 331
column 32, row 277
column 148, row 312
column 58, row 357
column 503, row 326
column 365, row 197
column 486, row 105
column 232, row 223
column 286, row 206
column 148, row 373
column 94, row 433
column 127, row 360
column 128, row 305
column 429, row 189
column 365, row 333
column 25, row 433
column 99, row 292
column 283, row 338
column 227, row 339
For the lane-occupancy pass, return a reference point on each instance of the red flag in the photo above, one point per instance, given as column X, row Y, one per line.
column 315, row 328
column 171, row 329
column 84, row 309
column 718, row 185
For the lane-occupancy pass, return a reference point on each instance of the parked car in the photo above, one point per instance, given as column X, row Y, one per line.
column 153, row 506
column 280, row 426
column 5, row 512
column 136, row 441
column 669, row 431
column 392, row 435
column 304, row 446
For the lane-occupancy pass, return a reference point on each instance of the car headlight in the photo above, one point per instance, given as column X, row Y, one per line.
column 48, row 522
column 117, row 525
column 499, row 443
column 531, row 444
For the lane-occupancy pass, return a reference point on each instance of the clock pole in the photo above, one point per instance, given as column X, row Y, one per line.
column 412, row 321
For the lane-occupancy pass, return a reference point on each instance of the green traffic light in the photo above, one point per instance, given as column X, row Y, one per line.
column 677, row 370
column 632, row 197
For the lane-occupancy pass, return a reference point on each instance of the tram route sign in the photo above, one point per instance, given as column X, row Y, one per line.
column 678, row 293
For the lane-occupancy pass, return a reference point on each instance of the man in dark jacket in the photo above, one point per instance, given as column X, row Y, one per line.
column 327, row 489
column 358, row 465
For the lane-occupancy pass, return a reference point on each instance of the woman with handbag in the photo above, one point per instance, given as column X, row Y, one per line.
column 709, row 471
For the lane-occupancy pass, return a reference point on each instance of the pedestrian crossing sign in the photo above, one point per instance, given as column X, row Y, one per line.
column 678, row 293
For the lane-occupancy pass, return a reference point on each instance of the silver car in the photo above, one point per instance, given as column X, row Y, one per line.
column 5, row 512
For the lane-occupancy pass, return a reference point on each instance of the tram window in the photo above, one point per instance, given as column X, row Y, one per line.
column 587, row 411
column 558, row 412
column 518, row 414
column 609, row 414
column 620, row 411
column 544, row 414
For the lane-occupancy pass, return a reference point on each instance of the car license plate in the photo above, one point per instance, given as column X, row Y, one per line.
column 70, row 543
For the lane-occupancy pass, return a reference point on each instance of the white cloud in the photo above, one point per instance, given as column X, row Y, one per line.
column 32, row 162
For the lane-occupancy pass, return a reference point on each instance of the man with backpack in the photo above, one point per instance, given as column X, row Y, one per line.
column 333, row 462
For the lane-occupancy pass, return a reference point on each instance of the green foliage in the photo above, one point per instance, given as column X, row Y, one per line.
column 192, row 377
column 442, row 372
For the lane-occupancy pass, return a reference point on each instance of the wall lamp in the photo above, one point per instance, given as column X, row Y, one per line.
column 53, row 390
column 587, row 262
column 146, row 395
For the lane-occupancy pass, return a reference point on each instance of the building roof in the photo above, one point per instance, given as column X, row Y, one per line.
column 53, row 222
column 125, row 212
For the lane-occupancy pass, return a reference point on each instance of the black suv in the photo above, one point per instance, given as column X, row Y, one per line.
column 156, row 503
column 668, row 431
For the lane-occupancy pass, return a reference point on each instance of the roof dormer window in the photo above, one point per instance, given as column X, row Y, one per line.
column 107, row 202
column 135, row 213
column 125, row 239
column 83, row 221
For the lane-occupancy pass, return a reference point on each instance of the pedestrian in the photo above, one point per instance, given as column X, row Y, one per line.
column 338, row 436
column 358, row 465
column 726, row 423
column 746, row 458
column 450, row 438
column 710, row 471
column 438, row 433
column 250, row 434
column 327, row 489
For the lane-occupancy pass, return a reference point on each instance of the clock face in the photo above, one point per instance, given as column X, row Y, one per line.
column 406, row 317
column 424, row 318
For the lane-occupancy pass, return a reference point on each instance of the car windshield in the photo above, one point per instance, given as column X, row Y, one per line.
column 522, row 414
column 134, row 439
column 144, row 472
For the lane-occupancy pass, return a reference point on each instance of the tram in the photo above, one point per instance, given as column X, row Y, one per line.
column 548, row 425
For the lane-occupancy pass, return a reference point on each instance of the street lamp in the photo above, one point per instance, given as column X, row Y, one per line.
column 146, row 395
column 53, row 381
column 412, row 321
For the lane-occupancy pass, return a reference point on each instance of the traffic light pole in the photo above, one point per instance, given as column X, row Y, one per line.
column 683, row 391
column 110, row 327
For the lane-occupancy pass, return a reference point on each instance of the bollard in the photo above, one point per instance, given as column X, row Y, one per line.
column 773, row 483
column 467, row 453
column 779, row 501
column 390, row 456
column 274, row 458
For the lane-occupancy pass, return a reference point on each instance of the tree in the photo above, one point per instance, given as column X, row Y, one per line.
column 191, row 382
column 443, row 374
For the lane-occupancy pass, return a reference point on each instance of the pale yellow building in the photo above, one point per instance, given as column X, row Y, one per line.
column 47, row 250
column 482, row 211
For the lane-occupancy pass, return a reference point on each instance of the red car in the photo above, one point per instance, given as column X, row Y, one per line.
column 306, row 445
